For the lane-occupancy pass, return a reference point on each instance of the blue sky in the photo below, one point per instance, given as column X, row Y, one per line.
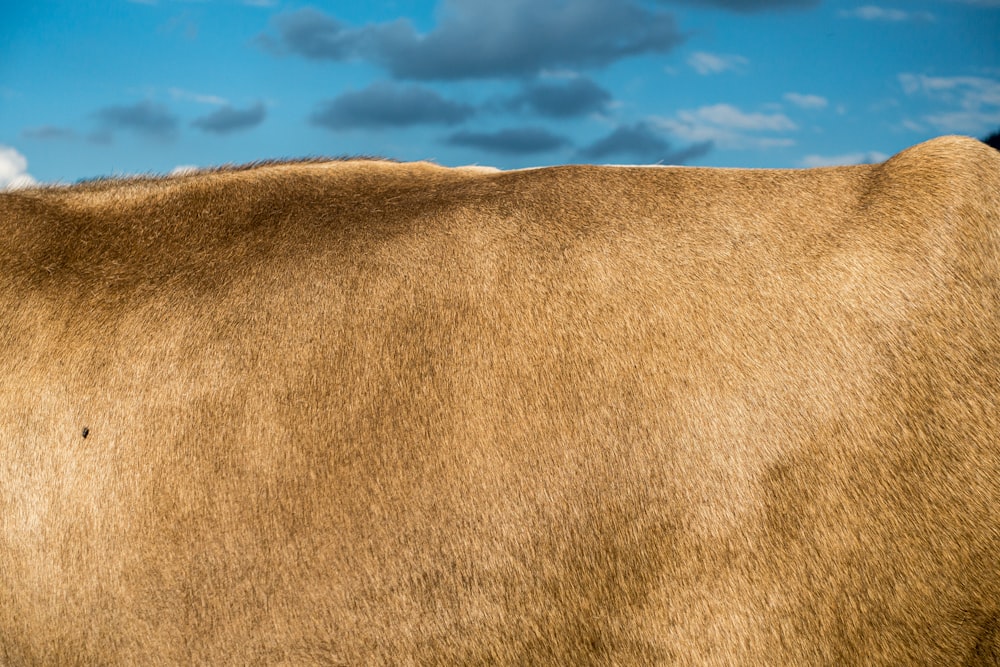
column 136, row 86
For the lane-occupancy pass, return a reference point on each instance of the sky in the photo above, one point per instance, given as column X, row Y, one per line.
column 91, row 89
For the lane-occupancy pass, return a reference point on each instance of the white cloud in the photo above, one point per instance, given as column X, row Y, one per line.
column 14, row 170
column 183, row 170
column 873, row 13
column 869, row 157
column 973, row 90
column 726, row 115
column 565, row 74
column 714, row 63
column 728, row 127
column 969, row 104
column 966, row 122
column 187, row 95
column 806, row 101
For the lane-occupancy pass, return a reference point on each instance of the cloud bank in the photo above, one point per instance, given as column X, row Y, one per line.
column 389, row 105
column 484, row 39
column 727, row 126
column 574, row 97
column 229, row 119
column 643, row 143
column 969, row 104
column 146, row 118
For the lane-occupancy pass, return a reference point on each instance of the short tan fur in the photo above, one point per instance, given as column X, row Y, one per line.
column 368, row 413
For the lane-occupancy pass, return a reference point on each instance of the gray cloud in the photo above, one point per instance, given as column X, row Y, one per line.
column 389, row 105
column 315, row 35
column 147, row 118
column 484, row 38
column 229, row 119
column 513, row 141
column 564, row 99
column 48, row 132
column 101, row 137
column 640, row 141
column 748, row 6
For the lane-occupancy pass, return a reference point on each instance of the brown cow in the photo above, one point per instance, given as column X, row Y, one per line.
column 367, row 413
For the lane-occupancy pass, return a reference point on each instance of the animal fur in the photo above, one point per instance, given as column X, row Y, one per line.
column 368, row 413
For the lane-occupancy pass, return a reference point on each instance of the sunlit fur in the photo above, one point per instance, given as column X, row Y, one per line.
column 369, row 413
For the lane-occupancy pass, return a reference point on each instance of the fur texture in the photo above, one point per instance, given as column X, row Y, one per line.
column 367, row 413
